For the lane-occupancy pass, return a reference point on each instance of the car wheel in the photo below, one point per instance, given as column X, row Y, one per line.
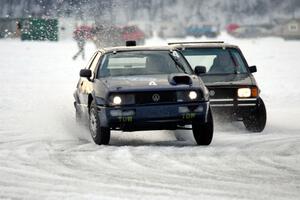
column 256, row 120
column 100, row 135
column 203, row 132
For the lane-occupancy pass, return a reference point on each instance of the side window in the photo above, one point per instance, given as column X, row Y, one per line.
column 102, row 69
column 93, row 65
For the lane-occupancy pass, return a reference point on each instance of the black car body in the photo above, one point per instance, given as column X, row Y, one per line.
column 233, row 90
column 142, row 88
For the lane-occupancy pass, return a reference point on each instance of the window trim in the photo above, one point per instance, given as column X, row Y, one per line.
column 91, row 61
column 98, row 57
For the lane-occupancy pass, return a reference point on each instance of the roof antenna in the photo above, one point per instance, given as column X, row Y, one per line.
column 130, row 43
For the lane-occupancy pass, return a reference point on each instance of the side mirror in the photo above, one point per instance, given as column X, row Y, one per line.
column 253, row 69
column 200, row 70
column 85, row 73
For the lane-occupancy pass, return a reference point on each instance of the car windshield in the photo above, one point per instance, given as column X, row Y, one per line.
column 143, row 63
column 216, row 60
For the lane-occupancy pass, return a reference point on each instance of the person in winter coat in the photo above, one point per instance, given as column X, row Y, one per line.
column 80, row 37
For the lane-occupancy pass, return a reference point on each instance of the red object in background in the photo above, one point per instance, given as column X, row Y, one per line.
column 232, row 27
column 84, row 31
column 132, row 33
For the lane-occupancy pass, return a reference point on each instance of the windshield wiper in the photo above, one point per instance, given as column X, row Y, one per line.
column 179, row 66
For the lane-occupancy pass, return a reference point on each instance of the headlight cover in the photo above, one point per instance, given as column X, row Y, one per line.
column 188, row 96
column 117, row 100
column 244, row 92
column 193, row 95
column 121, row 99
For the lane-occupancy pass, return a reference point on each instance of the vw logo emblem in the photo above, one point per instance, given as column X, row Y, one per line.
column 155, row 97
column 152, row 83
column 212, row 93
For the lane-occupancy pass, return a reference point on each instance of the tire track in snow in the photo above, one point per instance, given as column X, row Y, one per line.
column 124, row 168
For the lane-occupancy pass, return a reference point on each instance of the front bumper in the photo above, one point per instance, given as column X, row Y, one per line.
column 236, row 108
column 153, row 117
column 237, row 103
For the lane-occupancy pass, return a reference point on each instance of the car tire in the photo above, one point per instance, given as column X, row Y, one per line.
column 100, row 135
column 203, row 132
column 256, row 120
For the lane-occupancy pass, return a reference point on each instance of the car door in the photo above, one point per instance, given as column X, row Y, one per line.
column 85, row 86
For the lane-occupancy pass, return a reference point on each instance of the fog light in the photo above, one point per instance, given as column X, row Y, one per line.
column 244, row 92
column 128, row 113
column 193, row 95
column 120, row 113
column 116, row 113
column 183, row 110
column 117, row 100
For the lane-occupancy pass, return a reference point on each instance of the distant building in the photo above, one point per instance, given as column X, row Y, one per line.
column 29, row 28
column 9, row 28
column 291, row 29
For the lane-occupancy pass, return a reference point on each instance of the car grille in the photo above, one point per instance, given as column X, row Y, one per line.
column 155, row 97
column 222, row 93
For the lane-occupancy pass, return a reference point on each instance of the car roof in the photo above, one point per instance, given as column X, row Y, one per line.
column 136, row 48
column 207, row 44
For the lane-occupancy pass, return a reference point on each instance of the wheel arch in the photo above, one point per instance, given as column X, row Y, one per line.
column 91, row 97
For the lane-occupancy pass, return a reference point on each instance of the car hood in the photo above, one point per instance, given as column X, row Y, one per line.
column 144, row 82
column 228, row 79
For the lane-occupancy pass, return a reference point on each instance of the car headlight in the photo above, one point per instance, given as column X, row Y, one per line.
column 121, row 99
column 193, row 95
column 117, row 100
column 244, row 92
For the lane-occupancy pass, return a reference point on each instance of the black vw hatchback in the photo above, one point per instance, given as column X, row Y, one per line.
column 233, row 90
column 142, row 88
